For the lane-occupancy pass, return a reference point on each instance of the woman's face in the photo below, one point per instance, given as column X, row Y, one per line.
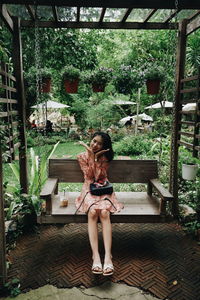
column 96, row 143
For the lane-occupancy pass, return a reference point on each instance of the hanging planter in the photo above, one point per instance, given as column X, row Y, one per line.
column 71, row 79
column 153, row 86
column 154, row 75
column 46, row 85
column 126, row 79
column 71, row 86
column 98, row 78
column 98, row 88
column 189, row 171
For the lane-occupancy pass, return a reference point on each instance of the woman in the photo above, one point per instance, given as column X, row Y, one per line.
column 94, row 164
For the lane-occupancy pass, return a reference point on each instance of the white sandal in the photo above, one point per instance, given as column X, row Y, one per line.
column 94, row 266
column 108, row 266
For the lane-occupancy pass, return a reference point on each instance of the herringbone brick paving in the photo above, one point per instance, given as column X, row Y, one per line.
column 158, row 258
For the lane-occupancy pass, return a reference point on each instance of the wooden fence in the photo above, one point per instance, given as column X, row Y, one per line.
column 9, row 111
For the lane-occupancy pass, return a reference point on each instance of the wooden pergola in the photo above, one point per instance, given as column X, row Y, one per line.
column 55, row 18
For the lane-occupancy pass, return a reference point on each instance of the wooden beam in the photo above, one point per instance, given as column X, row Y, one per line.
column 180, row 67
column 102, row 14
column 172, row 15
column 3, row 271
column 127, row 13
column 194, row 25
column 150, row 15
column 55, row 13
column 157, row 4
column 100, row 25
column 31, row 12
column 18, row 70
column 78, row 15
column 6, row 17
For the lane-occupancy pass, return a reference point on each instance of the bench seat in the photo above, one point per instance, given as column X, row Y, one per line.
column 138, row 207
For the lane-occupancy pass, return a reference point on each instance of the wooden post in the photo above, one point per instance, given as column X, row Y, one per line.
column 18, row 70
column 180, row 67
column 3, row 271
column 197, row 120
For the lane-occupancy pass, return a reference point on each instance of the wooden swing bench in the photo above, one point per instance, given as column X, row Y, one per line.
column 139, row 207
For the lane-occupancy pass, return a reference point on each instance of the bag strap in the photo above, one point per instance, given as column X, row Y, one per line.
column 101, row 200
column 81, row 202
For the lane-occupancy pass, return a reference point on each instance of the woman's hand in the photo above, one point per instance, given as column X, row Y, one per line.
column 98, row 154
column 91, row 153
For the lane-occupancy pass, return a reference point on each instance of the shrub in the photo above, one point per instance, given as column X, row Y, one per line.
column 133, row 145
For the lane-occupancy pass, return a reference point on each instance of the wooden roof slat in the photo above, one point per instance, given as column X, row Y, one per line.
column 193, row 16
column 55, row 13
column 152, row 12
column 167, row 4
column 31, row 12
column 194, row 25
column 172, row 15
column 102, row 15
column 101, row 25
column 127, row 13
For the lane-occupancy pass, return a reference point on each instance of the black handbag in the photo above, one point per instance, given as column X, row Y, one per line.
column 99, row 188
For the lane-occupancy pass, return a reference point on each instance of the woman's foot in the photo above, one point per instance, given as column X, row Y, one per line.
column 97, row 266
column 108, row 268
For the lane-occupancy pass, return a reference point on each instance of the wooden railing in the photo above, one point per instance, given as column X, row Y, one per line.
column 9, row 110
column 189, row 134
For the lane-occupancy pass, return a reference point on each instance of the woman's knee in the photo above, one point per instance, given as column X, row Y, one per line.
column 104, row 214
column 93, row 213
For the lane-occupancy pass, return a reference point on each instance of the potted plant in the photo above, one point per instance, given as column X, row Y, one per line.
column 153, row 76
column 98, row 78
column 71, row 76
column 126, row 78
column 189, row 168
column 45, row 75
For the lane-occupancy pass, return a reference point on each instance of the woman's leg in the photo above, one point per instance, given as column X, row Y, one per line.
column 107, row 236
column 93, row 235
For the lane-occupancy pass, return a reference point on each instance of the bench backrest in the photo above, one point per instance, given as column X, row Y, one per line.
column 133, row 171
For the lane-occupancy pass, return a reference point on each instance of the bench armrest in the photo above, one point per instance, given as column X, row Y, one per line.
column 162, row 191
column 50, row 187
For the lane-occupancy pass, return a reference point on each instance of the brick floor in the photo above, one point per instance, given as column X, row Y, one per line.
column 157, row 258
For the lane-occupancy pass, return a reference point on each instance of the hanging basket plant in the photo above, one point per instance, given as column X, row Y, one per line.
column 126, row 78
column 153, row 76
column 189, row 168
column 98, row 78
column 71, row 77
column 45, row 75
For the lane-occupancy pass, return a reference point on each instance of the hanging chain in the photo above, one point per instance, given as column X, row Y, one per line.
column 174, row 105
column 38, row 86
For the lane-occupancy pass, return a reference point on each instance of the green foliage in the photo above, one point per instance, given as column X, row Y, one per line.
column 126, row 78
column 186, row 157
column 106, row 112
column 70, row 72
column 154, row 72
column 133, row 145
column 45, row 73
column 13, row 287
column 38, row 167
column 99, row 76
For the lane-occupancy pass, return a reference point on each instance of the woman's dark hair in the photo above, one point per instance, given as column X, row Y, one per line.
column 107, row 144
